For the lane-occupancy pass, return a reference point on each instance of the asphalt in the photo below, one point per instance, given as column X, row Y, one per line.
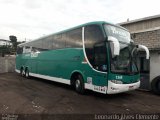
column 19, row 95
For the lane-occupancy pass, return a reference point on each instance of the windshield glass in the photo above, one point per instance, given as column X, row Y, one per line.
column 119, row 33
column 125, row 62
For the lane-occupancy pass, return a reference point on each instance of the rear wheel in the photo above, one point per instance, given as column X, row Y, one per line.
column 156, row 85
column 79, row 84
column 22, row 72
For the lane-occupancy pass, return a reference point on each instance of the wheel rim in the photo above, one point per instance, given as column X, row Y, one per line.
column 77, row 84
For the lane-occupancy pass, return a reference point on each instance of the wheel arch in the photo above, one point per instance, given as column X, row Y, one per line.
column 75, row 73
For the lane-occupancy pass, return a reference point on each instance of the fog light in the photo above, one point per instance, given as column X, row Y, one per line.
column 117, row 81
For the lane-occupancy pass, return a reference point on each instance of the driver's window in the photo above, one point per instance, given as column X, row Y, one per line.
column 100, row 56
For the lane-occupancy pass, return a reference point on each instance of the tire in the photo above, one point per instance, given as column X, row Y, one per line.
column 156, row 85
column 22, row 72
column 27, row 73
column 79, row 84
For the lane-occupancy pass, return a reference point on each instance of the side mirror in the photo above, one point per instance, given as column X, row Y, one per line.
column 144, row 48
column 116, row 46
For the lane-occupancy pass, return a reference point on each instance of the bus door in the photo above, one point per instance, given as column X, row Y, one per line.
column 100, row 63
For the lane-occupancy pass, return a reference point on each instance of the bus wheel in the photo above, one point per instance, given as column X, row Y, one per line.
column 156, row 85
column 22, row 72
column 27, row 73
column 79, row 84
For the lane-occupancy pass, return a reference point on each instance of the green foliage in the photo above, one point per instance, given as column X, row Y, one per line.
column 5, row 49
column 13, row 40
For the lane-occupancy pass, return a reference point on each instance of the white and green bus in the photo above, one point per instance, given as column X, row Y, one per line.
column 98, row 56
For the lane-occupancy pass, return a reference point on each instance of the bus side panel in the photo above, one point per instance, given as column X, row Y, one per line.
column 97, row 78
column 59, row 63
column 21, row 60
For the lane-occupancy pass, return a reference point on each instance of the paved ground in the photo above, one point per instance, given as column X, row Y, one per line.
column 19, row 95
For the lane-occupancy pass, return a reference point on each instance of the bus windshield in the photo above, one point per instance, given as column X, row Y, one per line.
column 126, row 61
column 119, row 33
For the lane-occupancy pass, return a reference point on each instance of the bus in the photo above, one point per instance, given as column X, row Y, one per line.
column 98, row 56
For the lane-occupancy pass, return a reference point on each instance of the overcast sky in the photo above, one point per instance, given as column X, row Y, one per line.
column 32, row 19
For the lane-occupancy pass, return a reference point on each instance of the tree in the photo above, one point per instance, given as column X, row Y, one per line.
column 13, row 40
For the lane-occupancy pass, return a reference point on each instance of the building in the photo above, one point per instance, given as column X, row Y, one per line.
column 5, row 42
column 4, row 47
column 146, row 31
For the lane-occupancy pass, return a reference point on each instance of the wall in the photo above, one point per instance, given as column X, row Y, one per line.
column 145, row 31
column 150, row 38
column 7, row 64
column 144, row 25
column 154, row 64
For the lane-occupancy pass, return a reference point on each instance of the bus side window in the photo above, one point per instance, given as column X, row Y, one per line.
column 58, row 41
column 47, row 43
column 19, row 50
column 34, row 49
column 36, row 44
column 26, row 49
column 74, row 38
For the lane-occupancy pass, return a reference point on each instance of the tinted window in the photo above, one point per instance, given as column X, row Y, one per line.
column 100, row 56
column 27, row 49
column 37, row 44
column 93, row 36
column 70, row 39
column 19, row 50
column 74, row 38
column 47, row 43
column 58, row 42
column 121, row 35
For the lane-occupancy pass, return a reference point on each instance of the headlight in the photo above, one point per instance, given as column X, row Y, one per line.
column 117, row 81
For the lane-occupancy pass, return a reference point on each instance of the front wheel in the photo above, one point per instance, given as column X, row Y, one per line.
column 79, row 84
column 27, row 73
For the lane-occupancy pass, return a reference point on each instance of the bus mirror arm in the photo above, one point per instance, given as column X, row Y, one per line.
column 116, row 48
column 144, row 48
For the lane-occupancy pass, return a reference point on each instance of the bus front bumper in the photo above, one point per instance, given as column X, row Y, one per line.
column 119, row 88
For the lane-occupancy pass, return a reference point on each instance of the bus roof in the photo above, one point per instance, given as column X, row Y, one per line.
column 90, row 23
